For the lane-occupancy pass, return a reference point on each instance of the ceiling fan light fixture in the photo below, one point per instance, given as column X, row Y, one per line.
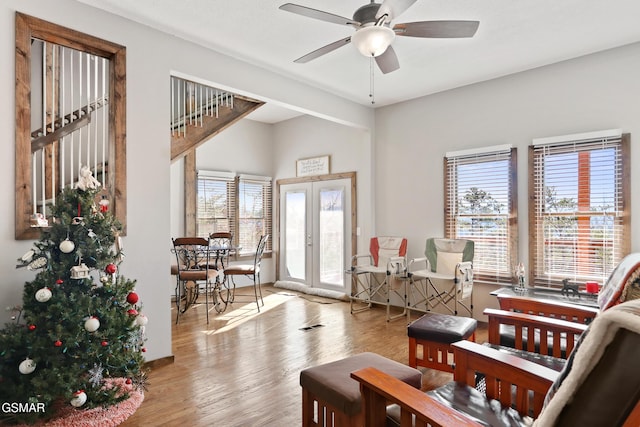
column 373, row 40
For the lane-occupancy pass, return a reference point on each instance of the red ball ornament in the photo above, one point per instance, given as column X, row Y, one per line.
column 132, row 298
column 32, row 327
column 143, row 349
column 128, row 381
column 58, row 343
column 132, row 312
column 59, row 282
column 104, row 343
column 110, row 269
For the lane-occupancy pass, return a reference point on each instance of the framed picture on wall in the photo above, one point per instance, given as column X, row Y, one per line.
column 313, row 166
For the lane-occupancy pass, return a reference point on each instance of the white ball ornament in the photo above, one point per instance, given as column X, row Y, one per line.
column 67, row 246
column 43, row 294
column 92, row 324
column 142, row 320
column 27, row 366
column 79, row 399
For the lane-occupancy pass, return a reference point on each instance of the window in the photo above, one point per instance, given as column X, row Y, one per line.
column 254, row 211
column 481, row 205
column 578, row 218
column 238, row 204
column 216, row 203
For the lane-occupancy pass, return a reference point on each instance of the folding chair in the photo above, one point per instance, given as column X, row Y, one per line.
column 448, row 276
column 374, row 274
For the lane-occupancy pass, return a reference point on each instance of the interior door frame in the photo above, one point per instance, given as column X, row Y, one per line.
column 316, row 178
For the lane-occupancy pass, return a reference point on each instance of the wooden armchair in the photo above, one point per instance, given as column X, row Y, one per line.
column 500, row 371
column 548, row 308
column 521, row 322
column 599, row 386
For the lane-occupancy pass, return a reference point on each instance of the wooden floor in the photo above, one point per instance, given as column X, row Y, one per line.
column 243, row 368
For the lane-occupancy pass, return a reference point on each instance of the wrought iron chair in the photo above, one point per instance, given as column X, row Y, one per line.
column 193, row 272
column 221, row 244
column 252, row 271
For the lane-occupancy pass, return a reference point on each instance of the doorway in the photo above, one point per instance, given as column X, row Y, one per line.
column 316, row 223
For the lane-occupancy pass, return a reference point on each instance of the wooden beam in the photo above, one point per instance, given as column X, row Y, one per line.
column 190, row 193
column 197, row 135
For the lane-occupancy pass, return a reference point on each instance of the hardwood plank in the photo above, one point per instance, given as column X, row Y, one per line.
column 243, row 368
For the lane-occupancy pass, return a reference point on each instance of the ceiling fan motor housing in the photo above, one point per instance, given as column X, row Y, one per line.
column 367, row 14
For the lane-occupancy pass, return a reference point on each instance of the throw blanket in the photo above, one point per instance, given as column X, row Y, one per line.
column 586, row 355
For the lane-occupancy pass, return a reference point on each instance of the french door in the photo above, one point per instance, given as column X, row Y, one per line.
column 315, row 232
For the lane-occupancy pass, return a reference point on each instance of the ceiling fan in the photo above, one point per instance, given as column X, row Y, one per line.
column 374, row 35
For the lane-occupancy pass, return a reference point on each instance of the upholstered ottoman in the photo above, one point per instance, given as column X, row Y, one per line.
column 435, row 333
column 331, row 398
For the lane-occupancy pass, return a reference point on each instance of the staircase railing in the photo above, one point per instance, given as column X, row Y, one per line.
column 191, row 102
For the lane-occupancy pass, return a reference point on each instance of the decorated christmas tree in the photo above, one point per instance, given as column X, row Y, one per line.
column 80, row 334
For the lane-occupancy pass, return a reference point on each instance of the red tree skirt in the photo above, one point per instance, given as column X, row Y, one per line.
column 98, row 417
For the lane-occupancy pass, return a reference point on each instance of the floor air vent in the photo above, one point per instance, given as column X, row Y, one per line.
column 308, row 328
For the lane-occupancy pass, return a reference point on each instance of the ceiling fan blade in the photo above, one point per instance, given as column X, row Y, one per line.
column 388, row 61
column 393, row 8
column 437, row 29
column 323, row 50
column 318, row 14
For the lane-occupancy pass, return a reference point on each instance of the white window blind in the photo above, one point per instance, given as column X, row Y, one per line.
column 481, row 205
column 579, row 219
column 240, row 204
column 254, row 211
column 216, row 203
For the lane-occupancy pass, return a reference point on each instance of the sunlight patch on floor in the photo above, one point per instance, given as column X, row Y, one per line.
column 236, row 315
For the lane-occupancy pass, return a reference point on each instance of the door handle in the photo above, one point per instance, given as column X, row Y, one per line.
column 309, row 243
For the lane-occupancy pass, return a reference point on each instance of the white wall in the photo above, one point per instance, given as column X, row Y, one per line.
column 151, row 58
column 600, row 91
column 350, row 150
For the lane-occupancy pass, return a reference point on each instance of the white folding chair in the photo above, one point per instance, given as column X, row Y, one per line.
column 448, row 276
column 375, row 274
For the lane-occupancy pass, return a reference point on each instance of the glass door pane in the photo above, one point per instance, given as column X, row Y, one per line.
column 295, row 234
column 331, row 236
column 315, row 237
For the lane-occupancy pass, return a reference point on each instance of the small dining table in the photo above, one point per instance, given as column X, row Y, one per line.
column 217, row 255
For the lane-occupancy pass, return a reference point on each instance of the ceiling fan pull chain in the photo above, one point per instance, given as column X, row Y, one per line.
column 371, row 82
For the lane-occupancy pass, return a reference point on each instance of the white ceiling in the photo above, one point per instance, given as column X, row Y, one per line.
column 514, row 35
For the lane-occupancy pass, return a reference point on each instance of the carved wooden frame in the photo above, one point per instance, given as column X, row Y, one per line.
column 28, row 27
